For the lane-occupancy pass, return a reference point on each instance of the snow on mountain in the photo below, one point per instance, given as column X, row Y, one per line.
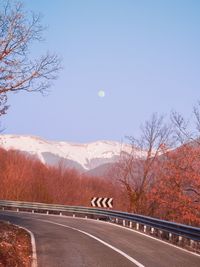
column 80, row 156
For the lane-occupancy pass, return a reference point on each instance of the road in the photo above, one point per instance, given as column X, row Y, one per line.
column 73, row 242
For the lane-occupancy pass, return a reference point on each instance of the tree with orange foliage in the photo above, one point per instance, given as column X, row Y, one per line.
column 175, row 194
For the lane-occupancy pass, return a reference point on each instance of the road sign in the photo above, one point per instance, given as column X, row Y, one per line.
column 102, row 202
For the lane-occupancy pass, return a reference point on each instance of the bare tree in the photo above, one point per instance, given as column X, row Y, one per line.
column 188, row 134
column 18, row 71
column 135, row 169
column 187, row 130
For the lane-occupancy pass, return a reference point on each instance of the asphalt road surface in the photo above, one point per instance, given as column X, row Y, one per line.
column 73, row 242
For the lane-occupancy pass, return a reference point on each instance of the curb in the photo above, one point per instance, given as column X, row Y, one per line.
column 34, row 254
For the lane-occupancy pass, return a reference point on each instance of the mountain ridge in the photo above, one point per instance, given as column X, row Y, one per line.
column 84, row 157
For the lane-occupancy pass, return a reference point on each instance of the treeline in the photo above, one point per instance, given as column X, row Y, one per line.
column 23, row 178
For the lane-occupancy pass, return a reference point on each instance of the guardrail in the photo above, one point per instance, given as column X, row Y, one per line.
column 174, row 232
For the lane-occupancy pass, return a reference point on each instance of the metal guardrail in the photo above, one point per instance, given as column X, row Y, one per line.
column 192, row 233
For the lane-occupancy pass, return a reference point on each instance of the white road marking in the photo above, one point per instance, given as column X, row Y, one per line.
column 154, row 238
column 113, row 224
column 99, row 240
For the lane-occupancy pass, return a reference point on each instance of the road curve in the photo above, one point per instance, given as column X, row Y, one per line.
column 73, row 242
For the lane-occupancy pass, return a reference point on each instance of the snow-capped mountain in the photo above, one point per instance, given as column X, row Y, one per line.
column 84, row 157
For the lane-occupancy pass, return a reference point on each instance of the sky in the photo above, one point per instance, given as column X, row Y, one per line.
column 145, row 56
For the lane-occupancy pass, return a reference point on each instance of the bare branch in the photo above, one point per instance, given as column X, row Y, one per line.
column 17, row 71
column 135, row 170
column 184, row 132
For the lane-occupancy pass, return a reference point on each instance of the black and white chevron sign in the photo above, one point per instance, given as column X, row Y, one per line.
column 102, row 202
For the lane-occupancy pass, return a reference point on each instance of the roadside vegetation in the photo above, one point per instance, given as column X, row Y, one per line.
column 15, row 246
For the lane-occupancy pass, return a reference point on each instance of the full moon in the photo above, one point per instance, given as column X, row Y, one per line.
column 101, row 93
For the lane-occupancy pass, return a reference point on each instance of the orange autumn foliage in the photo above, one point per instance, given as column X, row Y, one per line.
column 175, row 194
column 27, row 179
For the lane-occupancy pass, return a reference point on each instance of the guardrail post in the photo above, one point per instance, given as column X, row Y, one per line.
column 152, row 230
column 130, row 225
column 145, row 228
column 32, row 211
column 74, row 216
column 116, row 220
column 60, row 213
column 17, row 210
column 160, row 232
column 191, row 243
column 170, row 236
column 47, row 212
column 137, row 226
column 180, row 238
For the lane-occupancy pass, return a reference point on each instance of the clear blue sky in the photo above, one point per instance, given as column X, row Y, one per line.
column 144, row 54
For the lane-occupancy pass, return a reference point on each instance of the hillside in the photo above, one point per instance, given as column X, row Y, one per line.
column 83, row 157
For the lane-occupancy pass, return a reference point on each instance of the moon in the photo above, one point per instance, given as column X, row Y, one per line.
column 101, row 93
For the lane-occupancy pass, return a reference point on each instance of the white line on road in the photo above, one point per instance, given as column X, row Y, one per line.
column 99, row 240
column 113, row 224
